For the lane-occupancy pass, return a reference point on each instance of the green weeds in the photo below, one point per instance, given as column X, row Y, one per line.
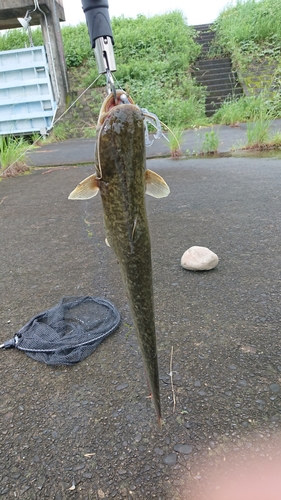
column 12, row 155
column 232, row 111
column 18, row 39
column 258, row 133
column 90, row 131
column 76, row 45
column 248, row 108
column 60, row 132
column 211, row 143
column 259, row 136
column 175, row 138
column 250, row 29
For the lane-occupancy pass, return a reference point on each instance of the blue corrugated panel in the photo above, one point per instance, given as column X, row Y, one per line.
column 26, row 98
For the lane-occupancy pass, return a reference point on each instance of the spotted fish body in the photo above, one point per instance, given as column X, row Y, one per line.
column 122, row 180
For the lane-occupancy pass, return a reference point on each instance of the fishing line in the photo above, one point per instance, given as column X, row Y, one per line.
column 54, row 123
column 171, row 132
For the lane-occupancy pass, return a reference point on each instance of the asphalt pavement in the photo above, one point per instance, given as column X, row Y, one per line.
column 89, row 431
column 81, row 151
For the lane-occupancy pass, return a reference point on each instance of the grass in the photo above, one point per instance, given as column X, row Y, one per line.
column 232, row 111
column 90, row 131
column 59, row 132
column 274, row 142
column 250, row 32
column 250, row 28
column 175, row 138
column 259, row 136
column 211, row 143
column 248, row 108
column 257, row 133
column 12, row 156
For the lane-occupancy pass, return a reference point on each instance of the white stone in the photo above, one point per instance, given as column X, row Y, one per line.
column 199, row 259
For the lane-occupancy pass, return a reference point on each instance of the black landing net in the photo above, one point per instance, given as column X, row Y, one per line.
column 68, row 332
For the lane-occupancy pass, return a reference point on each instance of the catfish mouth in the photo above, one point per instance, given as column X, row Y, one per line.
column 110, row 103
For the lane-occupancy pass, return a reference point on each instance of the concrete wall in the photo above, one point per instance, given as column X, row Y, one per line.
column 259, row 76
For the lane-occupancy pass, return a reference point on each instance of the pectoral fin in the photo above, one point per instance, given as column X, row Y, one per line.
column 86, row 189
column 155, row 185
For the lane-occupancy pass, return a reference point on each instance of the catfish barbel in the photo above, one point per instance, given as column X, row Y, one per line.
column 122, row 179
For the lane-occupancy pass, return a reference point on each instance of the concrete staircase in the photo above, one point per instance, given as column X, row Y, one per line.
column 215, row 74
